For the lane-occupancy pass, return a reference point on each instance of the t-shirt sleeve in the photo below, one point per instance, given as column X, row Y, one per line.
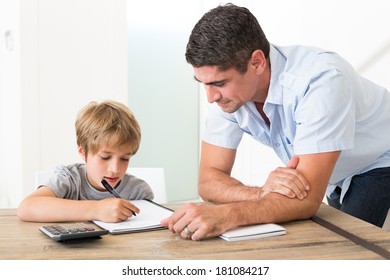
column 63, row 182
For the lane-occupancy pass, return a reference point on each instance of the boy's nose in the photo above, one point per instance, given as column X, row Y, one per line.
column 114, row 166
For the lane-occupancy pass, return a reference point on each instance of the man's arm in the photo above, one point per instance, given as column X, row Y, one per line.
column 212, row 220
column 317, row 169
column 217, row 186
column 215, row 183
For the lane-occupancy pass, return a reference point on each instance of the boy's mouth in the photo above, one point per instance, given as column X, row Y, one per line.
column 112, row 181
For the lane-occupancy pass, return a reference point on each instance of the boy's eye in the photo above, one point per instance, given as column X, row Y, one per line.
column 105, row 158
column 125, row 159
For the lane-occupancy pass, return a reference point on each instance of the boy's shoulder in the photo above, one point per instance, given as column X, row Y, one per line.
column 136, row 188
column 74, row 172
column 131, row 179
column 71, row 168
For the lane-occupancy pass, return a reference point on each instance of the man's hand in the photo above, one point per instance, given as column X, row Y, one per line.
column 287, row 181
column 199, row 221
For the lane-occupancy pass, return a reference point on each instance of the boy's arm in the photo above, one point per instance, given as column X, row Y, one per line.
column 43, row 206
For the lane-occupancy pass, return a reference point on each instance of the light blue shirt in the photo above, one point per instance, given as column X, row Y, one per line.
column 316, row 103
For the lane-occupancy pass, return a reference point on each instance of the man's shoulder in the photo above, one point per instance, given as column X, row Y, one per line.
column 300, row 50
column 302, row 64
column 308, row 59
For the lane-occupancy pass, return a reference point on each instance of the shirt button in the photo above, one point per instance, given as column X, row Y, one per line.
column 277, row 145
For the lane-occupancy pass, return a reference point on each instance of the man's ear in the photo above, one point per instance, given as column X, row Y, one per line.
column 82, row 153
column 258, row 61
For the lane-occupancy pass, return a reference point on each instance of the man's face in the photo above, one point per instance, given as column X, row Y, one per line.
column 229, row 89
column 109, row 162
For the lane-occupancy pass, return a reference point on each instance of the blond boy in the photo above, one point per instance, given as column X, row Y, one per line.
column 108, row 135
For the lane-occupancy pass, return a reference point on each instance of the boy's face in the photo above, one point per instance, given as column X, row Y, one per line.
column 109, row 163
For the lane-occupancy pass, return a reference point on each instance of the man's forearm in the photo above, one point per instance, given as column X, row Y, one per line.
column 218, row 187
column 273, row 208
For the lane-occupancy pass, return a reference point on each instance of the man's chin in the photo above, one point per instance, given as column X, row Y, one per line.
column 229, row 109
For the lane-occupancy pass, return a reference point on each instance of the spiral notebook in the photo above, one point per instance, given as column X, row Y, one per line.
column 151, row 213
column 253, row 232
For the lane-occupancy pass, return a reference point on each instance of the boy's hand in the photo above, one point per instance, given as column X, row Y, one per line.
column 115, row 210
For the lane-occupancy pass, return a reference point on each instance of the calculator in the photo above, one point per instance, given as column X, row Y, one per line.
column 72, row 231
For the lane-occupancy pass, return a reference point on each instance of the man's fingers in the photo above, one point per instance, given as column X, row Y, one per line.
column 293, row 163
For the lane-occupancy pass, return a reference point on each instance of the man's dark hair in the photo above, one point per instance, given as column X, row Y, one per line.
column 226, row 37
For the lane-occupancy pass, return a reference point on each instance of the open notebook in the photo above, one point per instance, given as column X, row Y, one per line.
column 253, row 232
column 148, row 219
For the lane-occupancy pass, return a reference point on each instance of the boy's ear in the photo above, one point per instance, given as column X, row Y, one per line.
column 81, row 152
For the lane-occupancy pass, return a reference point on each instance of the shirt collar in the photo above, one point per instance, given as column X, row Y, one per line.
column 277, row 65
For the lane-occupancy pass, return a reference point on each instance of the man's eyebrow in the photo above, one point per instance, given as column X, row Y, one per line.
column 210, row 83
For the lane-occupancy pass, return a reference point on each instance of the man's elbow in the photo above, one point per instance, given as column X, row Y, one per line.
column 310, row 209
column 204, row 195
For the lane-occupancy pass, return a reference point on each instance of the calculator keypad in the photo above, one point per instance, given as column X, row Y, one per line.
column 68, row 231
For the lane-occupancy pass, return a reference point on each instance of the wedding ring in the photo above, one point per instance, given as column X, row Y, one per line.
column 187, row 231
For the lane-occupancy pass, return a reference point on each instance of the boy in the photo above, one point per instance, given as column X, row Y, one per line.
column 107, row 136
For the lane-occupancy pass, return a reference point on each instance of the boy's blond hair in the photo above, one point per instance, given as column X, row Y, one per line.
column 108, row 122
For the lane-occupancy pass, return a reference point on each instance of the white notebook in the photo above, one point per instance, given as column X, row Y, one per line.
column 253, row 232
column 148, row 219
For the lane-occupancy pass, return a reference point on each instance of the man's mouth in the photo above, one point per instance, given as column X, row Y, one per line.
column 222, row 103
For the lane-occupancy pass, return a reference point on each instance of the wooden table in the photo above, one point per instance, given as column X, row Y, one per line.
column 305, row 240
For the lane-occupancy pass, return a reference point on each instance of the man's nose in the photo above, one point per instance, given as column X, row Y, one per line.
column 212, row 94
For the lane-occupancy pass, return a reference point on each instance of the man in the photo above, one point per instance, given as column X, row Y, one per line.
column 309, row 105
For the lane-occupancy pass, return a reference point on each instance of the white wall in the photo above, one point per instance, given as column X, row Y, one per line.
column 10, row 103
column 71, row 52
column 163, row 93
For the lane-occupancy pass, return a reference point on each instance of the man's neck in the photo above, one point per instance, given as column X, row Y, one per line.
column 265, row 79
column 259, row 107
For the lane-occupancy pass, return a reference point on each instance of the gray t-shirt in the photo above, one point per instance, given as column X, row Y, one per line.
column 70, row 182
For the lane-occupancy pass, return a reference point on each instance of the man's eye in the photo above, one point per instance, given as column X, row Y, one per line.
column 219, row 84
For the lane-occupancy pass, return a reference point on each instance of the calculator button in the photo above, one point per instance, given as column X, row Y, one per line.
column 89, row 228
